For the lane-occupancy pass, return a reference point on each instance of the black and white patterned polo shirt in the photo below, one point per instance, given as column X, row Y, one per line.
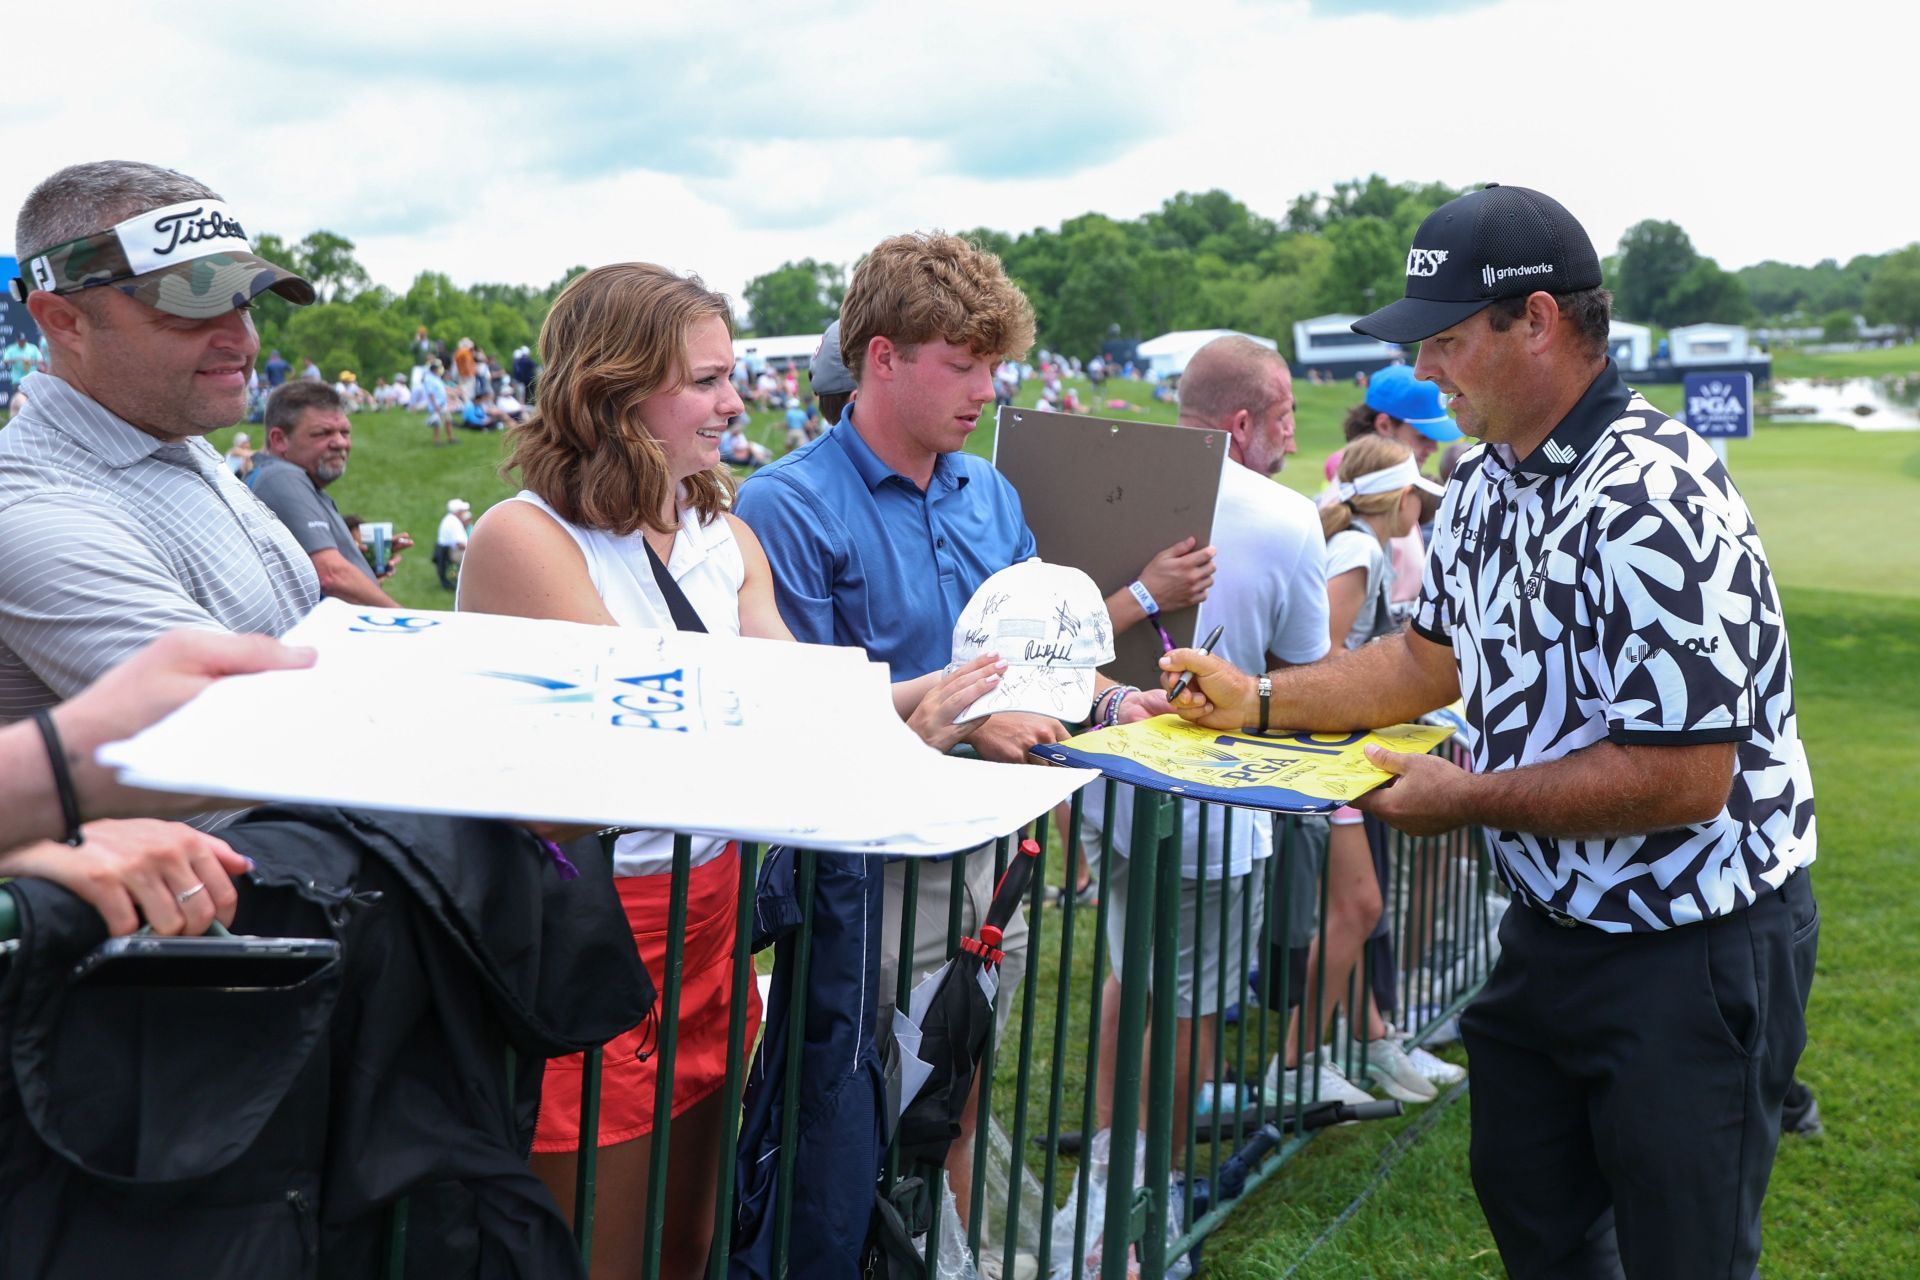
column 1612, row 585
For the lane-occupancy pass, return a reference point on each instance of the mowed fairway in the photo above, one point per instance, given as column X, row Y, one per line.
column 1839, row 511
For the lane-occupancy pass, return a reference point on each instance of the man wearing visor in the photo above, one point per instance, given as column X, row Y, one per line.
column 1597, row 591
column 118, row 521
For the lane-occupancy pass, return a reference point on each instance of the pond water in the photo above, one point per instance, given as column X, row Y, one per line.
column 1866, row 404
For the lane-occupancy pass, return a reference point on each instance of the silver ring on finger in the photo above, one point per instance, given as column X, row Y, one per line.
column 184, row 894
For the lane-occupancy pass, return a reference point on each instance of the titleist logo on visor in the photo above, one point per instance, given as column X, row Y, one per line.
column 195, row 225
column 179, row 232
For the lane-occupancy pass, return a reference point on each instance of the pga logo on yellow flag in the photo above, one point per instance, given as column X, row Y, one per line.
column 1282, row 772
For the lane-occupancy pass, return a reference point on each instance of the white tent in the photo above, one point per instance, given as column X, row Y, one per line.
column 778, row 350
column 1630, row 344
column 1705, row 344
column 1167, row 355
column 1329, row 342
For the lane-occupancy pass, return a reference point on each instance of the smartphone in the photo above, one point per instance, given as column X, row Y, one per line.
column 232, row 963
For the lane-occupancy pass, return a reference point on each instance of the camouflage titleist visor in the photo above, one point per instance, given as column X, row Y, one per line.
column 191, row 260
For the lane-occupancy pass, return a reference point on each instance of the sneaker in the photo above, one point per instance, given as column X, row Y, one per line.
column 1389, row 1068
column 1438, row 1070
column 1323, row 1082
column 1800, row 1114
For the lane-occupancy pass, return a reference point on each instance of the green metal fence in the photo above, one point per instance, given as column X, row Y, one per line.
column 1437, row 903
column 1037, row 1083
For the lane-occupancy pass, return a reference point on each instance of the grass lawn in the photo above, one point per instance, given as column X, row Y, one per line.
column 1790, row 362
column 1840, row 513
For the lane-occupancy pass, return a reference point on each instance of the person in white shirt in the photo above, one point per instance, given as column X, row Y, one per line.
column 450, row 546
column 1268, row 596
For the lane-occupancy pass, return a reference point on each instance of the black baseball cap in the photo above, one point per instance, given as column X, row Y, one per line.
column 1499, row 242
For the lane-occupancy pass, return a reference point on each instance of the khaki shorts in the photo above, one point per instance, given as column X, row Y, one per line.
column 931, row 947
column 1204, row 950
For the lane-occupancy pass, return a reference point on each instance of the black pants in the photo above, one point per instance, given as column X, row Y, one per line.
column 1627, row 1088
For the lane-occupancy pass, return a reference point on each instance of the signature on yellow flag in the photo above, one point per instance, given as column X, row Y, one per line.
column 1284, row 772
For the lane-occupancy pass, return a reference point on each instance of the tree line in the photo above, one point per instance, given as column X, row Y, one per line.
column 1205, row 260
column 1202, row 260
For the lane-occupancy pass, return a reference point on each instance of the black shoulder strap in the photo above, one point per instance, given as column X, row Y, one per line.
column 684, row 616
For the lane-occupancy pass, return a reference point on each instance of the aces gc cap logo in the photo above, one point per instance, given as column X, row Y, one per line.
column 1500, row 242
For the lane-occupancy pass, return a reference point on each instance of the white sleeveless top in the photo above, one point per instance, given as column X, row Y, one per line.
column 707, row 565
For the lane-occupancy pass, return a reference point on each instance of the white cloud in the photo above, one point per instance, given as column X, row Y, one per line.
column 728, row 138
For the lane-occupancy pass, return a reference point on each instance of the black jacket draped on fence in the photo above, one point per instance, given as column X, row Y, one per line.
column 210, row 1133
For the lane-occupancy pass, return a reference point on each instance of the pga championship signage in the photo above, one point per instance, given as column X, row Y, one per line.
column 1719, row 406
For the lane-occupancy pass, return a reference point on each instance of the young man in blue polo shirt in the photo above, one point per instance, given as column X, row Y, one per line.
column 880, row 531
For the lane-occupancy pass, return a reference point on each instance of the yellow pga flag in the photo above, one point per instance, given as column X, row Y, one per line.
column 1284, row 772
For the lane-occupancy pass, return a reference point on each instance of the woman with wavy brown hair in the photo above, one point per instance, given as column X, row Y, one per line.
column 625, row 497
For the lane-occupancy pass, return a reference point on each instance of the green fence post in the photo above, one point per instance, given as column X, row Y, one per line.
column 396, row 1260
column 1100, row 925
column 1150, row 824
column 1400, row 928
column 1160, row 1046
column 903, row 978
column 1191, row 1096
column 586, row 1164
column 1275, row 905
column 1056, row 1085
column 743, row 974
column 796, row 1040
column 1439, row 977
column 660, row 1141
column 1220, row 1005
column 983, row 1079
column 1017, row 1139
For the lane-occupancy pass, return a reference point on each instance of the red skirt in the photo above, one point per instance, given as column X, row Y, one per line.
column 700, row 1061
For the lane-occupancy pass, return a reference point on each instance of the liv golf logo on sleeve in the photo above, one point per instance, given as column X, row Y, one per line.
column 1720, row 405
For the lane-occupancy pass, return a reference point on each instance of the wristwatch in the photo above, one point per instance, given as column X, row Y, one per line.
column 1264, row 686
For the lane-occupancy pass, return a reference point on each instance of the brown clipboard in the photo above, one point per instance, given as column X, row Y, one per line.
column 1106, row 495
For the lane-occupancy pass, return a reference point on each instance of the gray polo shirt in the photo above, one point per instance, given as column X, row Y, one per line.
column 109, row 537
column 304, row 507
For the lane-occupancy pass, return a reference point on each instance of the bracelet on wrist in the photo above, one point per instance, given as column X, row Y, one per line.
column 62, row 777
column 1144, row 598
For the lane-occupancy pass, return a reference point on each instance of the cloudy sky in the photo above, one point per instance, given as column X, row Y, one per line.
column 497, row 141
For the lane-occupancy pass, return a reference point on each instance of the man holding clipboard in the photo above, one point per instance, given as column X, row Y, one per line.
column 1268, row 606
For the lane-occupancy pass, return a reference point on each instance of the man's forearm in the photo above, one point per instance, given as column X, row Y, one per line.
column 343, row 582
column 1605, row 790
column 1382, row 683
column 29, row 806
